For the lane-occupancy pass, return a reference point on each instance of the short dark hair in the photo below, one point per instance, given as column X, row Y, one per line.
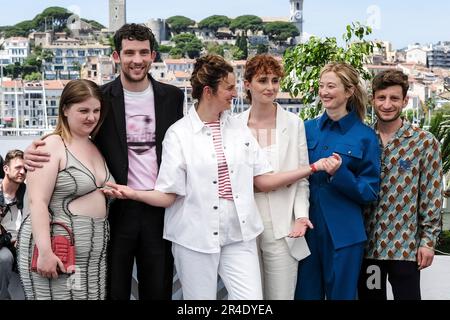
column 12, row 154
column 134, row 31
column 389, row 78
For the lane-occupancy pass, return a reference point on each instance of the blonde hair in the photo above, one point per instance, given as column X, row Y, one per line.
column 77, row 91
column 350, row 79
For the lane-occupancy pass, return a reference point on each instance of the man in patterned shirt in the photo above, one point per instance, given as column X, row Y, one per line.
column 402, row 227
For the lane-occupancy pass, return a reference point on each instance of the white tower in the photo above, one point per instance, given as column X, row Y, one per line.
column 296, row 16
column 117, row 14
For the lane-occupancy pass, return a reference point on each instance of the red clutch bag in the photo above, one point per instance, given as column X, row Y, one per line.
column 62, row 247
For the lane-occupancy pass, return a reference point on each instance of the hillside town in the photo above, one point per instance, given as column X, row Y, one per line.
column 83, row 50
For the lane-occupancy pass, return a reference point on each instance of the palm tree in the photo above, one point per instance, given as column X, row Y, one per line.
column 440, row 127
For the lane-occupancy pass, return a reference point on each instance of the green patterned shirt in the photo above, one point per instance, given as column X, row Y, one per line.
column 408, row 212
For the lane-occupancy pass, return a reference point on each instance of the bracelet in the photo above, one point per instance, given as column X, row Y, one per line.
column 313, row 168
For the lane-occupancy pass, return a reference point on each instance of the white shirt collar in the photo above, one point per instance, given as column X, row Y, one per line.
column 197, row 123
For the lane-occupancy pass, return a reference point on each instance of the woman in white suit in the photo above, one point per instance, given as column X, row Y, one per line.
column 281, row 134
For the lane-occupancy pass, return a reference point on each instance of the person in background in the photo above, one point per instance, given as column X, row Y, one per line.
column 141, row 109
column 2, row 174
column 12, row 189
column 210, row 164
column 337, row 198
column 404, row 224
column 284, row 212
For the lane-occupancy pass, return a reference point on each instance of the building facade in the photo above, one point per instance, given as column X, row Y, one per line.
column 68, row 59
column 17, row 48
column 439, row 56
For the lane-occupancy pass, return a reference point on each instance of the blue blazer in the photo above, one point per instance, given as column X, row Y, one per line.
column 340, row 198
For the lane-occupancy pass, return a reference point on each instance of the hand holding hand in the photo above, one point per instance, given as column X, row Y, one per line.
column 119, row 191
column 300, row 227
column 332, row 163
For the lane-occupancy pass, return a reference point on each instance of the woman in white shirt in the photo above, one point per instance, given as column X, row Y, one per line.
column 209, row 164
column 284, row 212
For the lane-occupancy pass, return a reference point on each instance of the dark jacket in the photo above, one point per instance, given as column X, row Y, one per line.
column 111, row 139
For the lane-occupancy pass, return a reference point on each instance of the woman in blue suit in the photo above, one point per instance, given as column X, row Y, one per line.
column 337, row 199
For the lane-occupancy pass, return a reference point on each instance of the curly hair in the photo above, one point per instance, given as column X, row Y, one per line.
column 208, row 71
column 262, row 64
column 133, row 31
column 389, row 78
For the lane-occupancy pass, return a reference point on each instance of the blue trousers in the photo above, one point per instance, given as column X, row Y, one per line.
column 328, row 272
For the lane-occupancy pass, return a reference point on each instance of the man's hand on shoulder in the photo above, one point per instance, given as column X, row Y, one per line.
column 34, row 157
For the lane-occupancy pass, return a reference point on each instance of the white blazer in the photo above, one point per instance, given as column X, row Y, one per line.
column 292, row 202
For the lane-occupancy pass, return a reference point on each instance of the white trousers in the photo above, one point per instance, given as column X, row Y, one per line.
column 278, row 266
column 236, row 263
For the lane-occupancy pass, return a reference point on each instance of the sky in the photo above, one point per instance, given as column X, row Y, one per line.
column 402, row 22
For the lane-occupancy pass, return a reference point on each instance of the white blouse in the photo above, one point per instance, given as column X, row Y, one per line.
column 189, row 169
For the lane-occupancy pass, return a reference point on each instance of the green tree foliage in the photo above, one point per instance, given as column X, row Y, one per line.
column 214, row 22
column 247, row 22
column 33, row 60
column 13, row 70
column 176, row 53
column 21, row 29
column 56, row 17
column 17, row 70
column 214, row 48
column 242, row 44
column 26, row 25
column 179, row 24
column 261, row 49
column 440, row 127
column 164, row 49
column 47, row 55
column 233, row 52
column 34, row 76
column 304, row 61
column 188, row 44
column 15, row 32
column 95, row 25
column 445, row 108
column 109, row 41
column 280, row 31
column 40, row 54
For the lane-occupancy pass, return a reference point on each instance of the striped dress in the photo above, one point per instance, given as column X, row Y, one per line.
column 91, row 237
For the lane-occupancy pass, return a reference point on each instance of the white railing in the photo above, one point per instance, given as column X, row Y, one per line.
column 24, row 131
